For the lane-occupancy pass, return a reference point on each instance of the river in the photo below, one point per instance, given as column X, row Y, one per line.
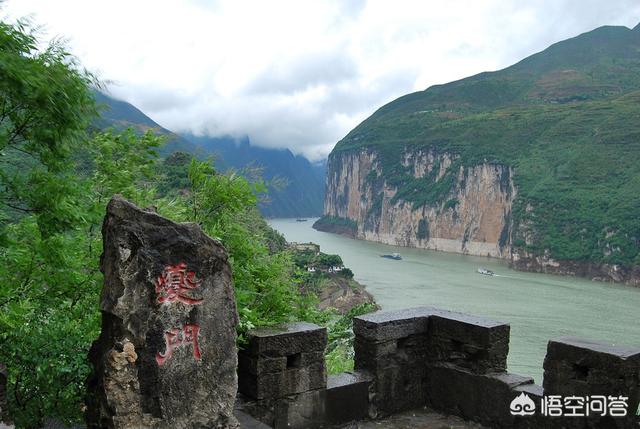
column 538, row 307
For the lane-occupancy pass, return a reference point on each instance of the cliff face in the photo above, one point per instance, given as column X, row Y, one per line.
column 473, row 216
column 534, row 163
column 526, row 261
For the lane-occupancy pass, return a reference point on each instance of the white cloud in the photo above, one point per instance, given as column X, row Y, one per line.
column 300, row 74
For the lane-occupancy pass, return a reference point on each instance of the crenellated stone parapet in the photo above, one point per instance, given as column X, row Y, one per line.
column 451, row 362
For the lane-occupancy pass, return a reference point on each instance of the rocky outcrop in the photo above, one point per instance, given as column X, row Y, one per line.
column 327, row 224
column 343, row 294
column 166, row 356
column 525, row 261
column 472, row 216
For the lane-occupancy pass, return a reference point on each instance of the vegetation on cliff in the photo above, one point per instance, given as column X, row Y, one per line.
column 564, row 119
column 56, row 176
column 326, row 277
column 336, row 224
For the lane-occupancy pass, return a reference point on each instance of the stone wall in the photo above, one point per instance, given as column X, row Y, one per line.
column 451, row 362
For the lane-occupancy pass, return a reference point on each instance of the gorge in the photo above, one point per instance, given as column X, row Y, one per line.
column 533, row 164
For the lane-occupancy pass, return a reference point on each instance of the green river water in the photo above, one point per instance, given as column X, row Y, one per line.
column 538, row 306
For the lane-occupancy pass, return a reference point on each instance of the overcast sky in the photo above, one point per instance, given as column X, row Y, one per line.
column 300, row 74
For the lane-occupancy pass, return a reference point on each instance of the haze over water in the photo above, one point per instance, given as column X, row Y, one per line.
column 539, row 307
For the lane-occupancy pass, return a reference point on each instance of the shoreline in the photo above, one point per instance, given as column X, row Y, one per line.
column 603, row 273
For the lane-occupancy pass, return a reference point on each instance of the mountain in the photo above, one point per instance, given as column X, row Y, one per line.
column 300, row 195
column 536, row 163
column 121, row 115
column 303, row 190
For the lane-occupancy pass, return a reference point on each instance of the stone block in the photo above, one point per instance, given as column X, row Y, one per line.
column 398, row 388
column 346, row 397
column 255, row 365
column 391, row 325
column 287, row 340
column 247, row 421
column 283, row 361
column 344, row 400
column 484, row 398
column 280, row 384
column 574, row 367
column 261, row 410
column 377, row 356
column 579, row 367
column 536, row 421
column 398, row 367
column 472, row 343
column 302, row 411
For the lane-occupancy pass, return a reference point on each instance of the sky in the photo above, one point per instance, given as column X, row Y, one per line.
column 299, row 74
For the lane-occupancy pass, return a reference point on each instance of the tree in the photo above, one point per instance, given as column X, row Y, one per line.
column 45, row 106
column 52, row 210
column 48, row 271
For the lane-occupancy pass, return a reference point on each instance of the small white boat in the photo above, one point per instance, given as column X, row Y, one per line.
column 395, row 256
column 486, row 272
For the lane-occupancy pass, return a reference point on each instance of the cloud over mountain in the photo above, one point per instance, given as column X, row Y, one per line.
column 300, row 75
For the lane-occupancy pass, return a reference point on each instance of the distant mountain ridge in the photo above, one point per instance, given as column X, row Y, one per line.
column 301, row 197
column 536, row 163
column 304, row 192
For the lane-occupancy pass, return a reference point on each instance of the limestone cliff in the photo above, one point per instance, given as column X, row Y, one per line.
column 534, row 163
column 471, row 212
column 472, row 215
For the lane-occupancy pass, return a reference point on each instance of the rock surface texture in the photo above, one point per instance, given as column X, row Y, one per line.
column 463, row 209
column 166, row 356
column 474, row 219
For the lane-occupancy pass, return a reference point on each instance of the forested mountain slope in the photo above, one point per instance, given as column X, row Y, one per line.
column 536, row 163
column 301, row 183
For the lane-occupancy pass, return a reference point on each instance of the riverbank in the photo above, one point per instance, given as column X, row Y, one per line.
column 607, row 273
column 538, row 306
column 326, row 276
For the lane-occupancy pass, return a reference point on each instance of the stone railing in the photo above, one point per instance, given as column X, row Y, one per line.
column 451, row 362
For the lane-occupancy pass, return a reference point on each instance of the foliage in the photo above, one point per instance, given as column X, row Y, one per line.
column 56, row 180
column 36, row 133
column 340, row 354
column 176, row 174
column 50, row 282
column 346, row 272
column 560, row 119
column 225, row 206
column 340, row 221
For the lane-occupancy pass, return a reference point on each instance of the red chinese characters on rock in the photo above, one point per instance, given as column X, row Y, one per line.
column 177, row 337
column 174, row 283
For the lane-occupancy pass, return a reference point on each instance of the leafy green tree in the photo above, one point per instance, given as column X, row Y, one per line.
column 176, row 174
column 45, row 106
column 225, row 206
column 55, row 181
column 50, row 283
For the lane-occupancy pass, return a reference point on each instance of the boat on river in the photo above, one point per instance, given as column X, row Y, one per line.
column 486, row 272
column 394, row 256
column 301, row 220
